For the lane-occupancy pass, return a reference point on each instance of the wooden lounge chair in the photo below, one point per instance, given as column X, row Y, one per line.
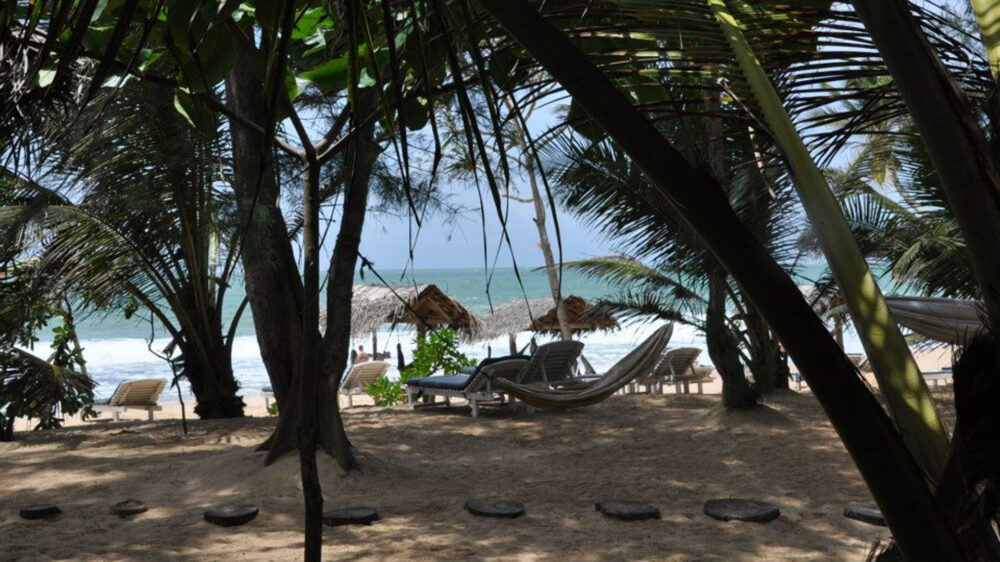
column 139, row 395
column 679, row 368
column 360, row 376
column 551, row 364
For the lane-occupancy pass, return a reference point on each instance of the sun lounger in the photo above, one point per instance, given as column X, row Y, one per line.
column 939, row 377
column 475, row 387
column 139, row 395
column 360, row 376
column 679, row 368
column 550, row 365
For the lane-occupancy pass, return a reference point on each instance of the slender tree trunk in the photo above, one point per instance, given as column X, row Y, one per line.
column 359, row 160
column 543, row 241
column 309, row 397
column 271, row 272
column 769, row 368
column 723, row 348
column 892, row 474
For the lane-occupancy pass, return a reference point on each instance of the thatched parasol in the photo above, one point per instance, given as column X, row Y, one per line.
column 375, row 305
column 539, row 315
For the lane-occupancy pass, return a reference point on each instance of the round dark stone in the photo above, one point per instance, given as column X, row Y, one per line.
column 40, row 511
column 231, row 515
column 741, row 510
column 128, row 507
column 494, row 508
column 865, row 515
column 628, row 510
column 350, row 516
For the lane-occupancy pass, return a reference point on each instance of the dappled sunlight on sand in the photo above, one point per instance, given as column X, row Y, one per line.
column 419, row 467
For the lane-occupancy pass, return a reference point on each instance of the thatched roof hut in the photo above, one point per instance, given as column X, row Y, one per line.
column 539, row 315
column 374, row 305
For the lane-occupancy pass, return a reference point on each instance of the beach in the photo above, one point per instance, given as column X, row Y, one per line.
column 418, row 468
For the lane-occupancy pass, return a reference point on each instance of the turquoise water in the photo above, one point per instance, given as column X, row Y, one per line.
column 117, row 349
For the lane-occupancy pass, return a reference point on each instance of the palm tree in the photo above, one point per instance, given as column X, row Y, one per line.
column 678, row 185
column 600, row 181
column 138, row 216
column 897, row 482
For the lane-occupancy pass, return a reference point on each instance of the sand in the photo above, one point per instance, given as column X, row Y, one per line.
column 419, row 467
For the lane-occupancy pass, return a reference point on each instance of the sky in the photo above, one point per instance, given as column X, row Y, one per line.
column 459, row 244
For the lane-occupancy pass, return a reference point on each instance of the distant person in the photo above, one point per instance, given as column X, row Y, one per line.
column 362, row 354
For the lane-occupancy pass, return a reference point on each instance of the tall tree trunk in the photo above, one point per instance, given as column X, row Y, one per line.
column 723, row 348
column 767, row 362
column 335, row 345
column 271, row 272
column 308, row 395
column 892, row 474
column 212, row 382
column 543, row 240
column 359, row 160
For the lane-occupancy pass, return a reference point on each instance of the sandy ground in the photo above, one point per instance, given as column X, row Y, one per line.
column 675, row 451
column 419, row 467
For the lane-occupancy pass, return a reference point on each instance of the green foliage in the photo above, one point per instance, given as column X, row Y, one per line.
column 272, row 410
column 386, row 392
column 438, row 351
column 31, row 387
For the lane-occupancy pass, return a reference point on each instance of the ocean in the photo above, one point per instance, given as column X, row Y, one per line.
column 118, row 349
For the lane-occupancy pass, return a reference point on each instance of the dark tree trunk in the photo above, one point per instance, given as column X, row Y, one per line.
column 767, row 362
column 308, row 386
column 6, row 428
column 723, row 347
column 359, row 159
column 213, row 384
column 892, row 475
column 272, row 280
column 335, row 346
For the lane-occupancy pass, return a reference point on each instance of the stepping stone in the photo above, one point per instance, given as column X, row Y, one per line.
column 40, row 511
column 865, row 515
column 350, row 516
column 231, row 515
column 495, row 508
column 128, row 507
column 628, row 510
column 741, row 510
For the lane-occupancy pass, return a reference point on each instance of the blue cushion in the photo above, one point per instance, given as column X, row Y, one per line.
column 446, row 382
column 491, row 360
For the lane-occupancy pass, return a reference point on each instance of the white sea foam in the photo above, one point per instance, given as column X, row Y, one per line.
column 111, row 361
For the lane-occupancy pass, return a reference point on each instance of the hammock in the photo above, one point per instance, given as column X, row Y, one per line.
column 641, row 360
column 953, row 321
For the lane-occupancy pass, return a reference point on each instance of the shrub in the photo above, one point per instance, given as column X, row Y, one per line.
column 438, row 351
column 386, row 392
